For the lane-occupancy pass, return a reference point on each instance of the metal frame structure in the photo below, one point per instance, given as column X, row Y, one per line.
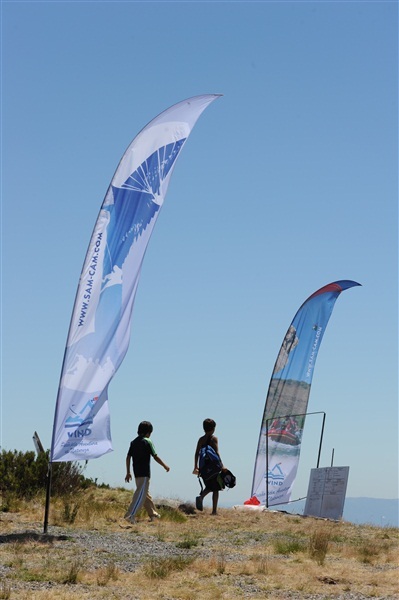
column 267, row 445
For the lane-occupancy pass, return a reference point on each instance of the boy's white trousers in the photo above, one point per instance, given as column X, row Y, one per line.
column 141, row 497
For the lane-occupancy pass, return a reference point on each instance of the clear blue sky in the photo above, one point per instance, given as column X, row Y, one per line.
column 288, row 182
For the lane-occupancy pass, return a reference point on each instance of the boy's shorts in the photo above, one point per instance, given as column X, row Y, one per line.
column 215, row 484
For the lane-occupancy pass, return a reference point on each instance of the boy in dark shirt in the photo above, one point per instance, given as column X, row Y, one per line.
column 140, row 451
column 209, row 426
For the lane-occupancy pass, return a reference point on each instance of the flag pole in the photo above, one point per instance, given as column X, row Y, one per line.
column 48, row 494
column 50, row 464
column 267, row 462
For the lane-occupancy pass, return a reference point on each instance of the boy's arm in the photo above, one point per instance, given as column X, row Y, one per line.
column 128, row 474
column 155, row 455
column 216, row 448
column 160, row 462
column 196, row 455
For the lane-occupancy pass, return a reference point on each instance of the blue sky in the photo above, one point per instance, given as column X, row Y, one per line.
column 288, row 182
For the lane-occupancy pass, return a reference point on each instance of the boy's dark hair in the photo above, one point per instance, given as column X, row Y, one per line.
column 209, row 425
column 144, row 428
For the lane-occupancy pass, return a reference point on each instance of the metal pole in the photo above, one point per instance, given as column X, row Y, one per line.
column 48, row 493
column 267, row 463
column 332, row 457
column 321, row 439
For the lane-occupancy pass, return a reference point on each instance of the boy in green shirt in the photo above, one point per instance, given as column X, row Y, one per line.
column 140, row 451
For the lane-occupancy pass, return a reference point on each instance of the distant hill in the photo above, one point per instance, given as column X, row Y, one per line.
column 361, row 511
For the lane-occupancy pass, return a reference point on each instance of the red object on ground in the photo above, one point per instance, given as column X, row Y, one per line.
column 252, row 501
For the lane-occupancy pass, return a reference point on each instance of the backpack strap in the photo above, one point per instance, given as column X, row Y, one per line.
column 206, row 443
column 200, row 482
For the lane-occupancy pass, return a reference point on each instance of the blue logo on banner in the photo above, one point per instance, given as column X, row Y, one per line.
column 276, row 473
column 84, row 416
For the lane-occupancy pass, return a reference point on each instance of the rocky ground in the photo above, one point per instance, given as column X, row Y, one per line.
column 31, row 563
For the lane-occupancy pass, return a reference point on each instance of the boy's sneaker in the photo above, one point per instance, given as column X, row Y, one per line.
column 198, row 503
column 131, row 520
column 154, row 517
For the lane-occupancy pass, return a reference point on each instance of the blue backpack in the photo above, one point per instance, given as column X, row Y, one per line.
column 209, row 464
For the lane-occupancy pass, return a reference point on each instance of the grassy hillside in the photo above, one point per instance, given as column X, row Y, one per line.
column 90, row 552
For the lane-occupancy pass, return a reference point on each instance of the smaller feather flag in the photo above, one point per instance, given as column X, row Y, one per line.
column 287, row 398
column 99, row 332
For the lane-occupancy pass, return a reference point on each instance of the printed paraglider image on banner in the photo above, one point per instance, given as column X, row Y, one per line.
column 287, row 398
column 99, row 332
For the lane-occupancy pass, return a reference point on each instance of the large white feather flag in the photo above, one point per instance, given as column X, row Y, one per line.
column 99, row 332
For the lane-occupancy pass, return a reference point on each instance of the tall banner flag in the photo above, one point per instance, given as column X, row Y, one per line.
column 99, row 331
column 287, row 398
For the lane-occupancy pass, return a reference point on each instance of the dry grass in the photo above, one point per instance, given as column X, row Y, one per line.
column 237, row 554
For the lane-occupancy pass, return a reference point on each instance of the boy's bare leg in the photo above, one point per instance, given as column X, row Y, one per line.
column 199, row 499
column 215, row 498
